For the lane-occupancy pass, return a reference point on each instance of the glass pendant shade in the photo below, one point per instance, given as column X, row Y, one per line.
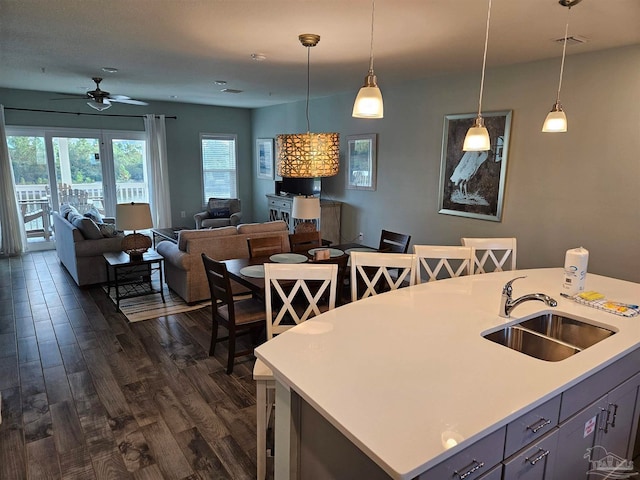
column 308, row 155
column 368, row 103
column 556, row 120
column 477, row 138
column 100, row 106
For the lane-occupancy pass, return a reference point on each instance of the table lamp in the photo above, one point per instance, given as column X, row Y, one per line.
column 307, row 209
column 134, row 216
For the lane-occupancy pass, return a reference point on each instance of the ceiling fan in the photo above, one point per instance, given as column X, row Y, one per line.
column 101, row 100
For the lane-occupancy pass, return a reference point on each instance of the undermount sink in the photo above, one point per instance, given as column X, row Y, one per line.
column 550, row 337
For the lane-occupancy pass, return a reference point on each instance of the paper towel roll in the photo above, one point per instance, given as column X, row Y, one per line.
column 575, row 270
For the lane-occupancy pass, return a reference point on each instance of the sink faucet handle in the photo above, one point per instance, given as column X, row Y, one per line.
column 507, row 289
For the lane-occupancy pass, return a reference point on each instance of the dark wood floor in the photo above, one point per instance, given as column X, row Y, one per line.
column 86, row 395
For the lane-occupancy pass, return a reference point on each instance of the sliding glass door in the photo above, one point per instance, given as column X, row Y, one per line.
column 84, row 168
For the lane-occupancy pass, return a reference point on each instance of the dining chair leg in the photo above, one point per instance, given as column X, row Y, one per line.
column 232, row 350
column 214, row 337
column 261, row 428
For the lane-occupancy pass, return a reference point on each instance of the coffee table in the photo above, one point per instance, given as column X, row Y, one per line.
column 170, row 234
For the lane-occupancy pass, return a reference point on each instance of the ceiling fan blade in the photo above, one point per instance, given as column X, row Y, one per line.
column 129, row 101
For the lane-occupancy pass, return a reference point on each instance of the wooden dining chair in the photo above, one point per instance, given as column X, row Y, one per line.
column 265, row 246
column 342, row 296
column 239, row 317
column 293, row 294
column 394, row 242
column 492, row 254
column 443, row 261
column 303, row 241
column 370, row 272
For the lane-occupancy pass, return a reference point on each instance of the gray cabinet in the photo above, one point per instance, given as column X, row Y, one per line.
column 535, row 462
column 330, row 212
column 604, row 428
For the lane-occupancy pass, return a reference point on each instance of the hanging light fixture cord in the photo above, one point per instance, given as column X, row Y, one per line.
column 564, row 50
column 373, row 9
column 484, row 60
column 308, row 84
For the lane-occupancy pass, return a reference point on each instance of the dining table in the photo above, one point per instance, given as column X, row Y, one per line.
column 243, row 272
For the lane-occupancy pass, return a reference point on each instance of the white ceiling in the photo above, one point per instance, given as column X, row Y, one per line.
column 165, row 48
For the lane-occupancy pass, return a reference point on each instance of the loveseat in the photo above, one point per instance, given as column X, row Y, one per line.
column 184, row 271
column 81, row 253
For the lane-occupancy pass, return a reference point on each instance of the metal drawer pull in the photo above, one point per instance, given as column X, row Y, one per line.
column 533, row 461
column 472, row 467
column 537, row 426
column 615, row 412
column 606, row 420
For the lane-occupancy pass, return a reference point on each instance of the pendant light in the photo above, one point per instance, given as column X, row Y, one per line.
column 368, row 103
column 556, row 121
column 308, row 155
column 477, row 138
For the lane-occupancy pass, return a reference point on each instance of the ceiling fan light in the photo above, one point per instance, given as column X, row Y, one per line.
column 369, row 103
column 556, row 121
column 477, row 138
column 98, row 105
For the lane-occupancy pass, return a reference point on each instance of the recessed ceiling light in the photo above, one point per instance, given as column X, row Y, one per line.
column 259, row 57
column 230, row 90
column 110, row 69
column 173, row 96
column 220, row 82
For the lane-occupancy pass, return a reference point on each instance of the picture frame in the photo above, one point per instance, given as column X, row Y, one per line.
column 265, row 158
column 361, row 161
column 472, row 183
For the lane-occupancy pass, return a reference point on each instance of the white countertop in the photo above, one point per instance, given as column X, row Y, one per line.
column 401, row 372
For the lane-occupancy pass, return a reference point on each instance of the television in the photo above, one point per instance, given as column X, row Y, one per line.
column 298, row 186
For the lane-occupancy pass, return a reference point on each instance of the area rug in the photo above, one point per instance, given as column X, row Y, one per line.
column 150, row 306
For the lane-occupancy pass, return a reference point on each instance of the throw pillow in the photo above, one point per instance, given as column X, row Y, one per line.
column 88, row 227
column 66, row 210
column 94, row 215
column 219, row 208
column 108, row 229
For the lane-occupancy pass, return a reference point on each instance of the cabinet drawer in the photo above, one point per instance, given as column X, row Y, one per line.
column 535, row 462
column 585, row 392
column 472, row 462
column 532, row 425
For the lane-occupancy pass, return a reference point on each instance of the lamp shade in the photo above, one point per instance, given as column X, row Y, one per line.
column 477, row 138
column 308, row 155
column 368, row 103
column 305, row 208
column 556, row 120
column 133, row 216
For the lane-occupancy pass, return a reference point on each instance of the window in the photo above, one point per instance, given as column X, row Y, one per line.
column 219, row 176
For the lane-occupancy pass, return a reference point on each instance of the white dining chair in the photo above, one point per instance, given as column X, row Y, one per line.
column 443, row 261
column 377, row 272
column 300, row 291
column 493, row 254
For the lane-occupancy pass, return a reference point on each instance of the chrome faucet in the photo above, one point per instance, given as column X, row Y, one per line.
column 507, row 304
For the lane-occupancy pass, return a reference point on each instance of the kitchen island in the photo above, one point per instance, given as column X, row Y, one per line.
column 408, row 379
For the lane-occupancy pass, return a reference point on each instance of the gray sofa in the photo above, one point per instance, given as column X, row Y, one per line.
column 183, row 268
column 82, row 257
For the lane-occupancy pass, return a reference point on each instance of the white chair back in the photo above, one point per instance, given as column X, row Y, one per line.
column 370, row 268
column 493, row 254
column 287, row 282
column 432, row 259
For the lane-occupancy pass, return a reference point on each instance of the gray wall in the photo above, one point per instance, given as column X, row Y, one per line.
column 183, row 141
column 562, row 190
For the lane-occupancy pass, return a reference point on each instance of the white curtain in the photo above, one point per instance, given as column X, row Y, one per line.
column 12, row 231
column 157, row 167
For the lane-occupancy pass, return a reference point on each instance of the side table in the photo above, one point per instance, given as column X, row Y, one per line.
column 133, row 278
